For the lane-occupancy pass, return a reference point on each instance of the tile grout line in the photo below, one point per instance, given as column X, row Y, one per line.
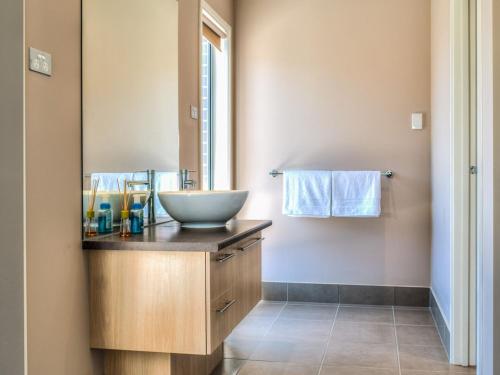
column 396, row 336
column 272, row 324
column 265, row 334
column 328, row 341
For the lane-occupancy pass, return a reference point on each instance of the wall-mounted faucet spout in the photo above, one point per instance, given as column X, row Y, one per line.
column 185, row 182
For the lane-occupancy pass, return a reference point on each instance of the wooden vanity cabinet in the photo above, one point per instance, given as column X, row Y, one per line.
column 184, row 302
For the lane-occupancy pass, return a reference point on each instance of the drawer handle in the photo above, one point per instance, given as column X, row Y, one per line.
column 257, row 240
column 225, row 257
column 228, row 304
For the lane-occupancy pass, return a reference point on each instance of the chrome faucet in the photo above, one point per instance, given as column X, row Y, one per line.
column 185, row 182
column 150, row 183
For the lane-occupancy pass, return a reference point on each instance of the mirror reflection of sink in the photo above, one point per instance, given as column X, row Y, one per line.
column 115, row 200
column 203, row 209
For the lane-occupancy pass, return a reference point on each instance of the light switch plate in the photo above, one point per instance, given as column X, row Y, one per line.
column 194, row 112
column 417, row 121
column 40, row 61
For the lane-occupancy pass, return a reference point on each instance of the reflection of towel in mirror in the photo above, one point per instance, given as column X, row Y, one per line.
column 307, row 193
column 165, row 181
column 356, row 193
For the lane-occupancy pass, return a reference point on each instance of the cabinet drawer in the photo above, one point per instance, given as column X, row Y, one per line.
column 223, row 317
column 222, row 272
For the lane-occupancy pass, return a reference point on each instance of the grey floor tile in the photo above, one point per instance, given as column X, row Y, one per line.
column 418, row 335
column 239, row 348
column 228, row 367
column 462, row 370
column 336, row 370
column 303, row 352
column 267, row 309
column 421, row 317
column 362, row 355
column 423, row 358
column 451, row 371
column 252, row 328
column 309, row 311
column 274, row 368
column 366, row 314
column 364, row 333
column 300, row 329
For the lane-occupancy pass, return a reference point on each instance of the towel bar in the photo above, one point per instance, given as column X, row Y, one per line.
column 387, row 173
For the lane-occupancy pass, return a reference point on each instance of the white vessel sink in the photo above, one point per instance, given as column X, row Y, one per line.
column 203, row 209
column 115, row 200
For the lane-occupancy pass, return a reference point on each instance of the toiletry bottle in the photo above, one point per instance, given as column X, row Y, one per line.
column 105, row 217
column 137, row 216
column 90, row 224
column 124, row 224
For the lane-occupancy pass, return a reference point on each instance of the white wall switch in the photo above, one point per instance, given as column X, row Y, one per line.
column 40, row 62
column 194, row 112
column 417, row 121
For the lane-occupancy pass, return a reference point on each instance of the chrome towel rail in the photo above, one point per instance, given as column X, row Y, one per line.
column 387, row 173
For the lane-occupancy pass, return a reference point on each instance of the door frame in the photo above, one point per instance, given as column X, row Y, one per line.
column 460, row 182
column 485, row 177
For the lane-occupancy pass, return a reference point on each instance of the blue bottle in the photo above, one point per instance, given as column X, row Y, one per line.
column 137, row 216
column 105, row 217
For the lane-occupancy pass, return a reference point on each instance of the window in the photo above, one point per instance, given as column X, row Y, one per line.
column 216, row 155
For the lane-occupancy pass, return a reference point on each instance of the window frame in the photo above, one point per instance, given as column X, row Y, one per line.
column 207, row 11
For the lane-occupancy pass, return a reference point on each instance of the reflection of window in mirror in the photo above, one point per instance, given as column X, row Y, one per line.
column 216, row 135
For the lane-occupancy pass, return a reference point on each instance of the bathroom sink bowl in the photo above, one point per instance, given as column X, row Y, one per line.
column 115, row 200
column 203, row 209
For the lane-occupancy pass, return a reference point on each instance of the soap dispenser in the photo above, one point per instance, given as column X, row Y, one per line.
column 105, row 217
column 137, row 216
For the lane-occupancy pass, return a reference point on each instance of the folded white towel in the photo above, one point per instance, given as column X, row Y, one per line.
column 307, row 193
column 356, row 194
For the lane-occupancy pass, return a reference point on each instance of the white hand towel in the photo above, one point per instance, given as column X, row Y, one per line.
column 356, row 194
column 307, row 193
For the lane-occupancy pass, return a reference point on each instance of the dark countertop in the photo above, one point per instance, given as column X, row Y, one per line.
column 171, row 237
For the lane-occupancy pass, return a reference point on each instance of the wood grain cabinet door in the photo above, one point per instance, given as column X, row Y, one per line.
column 249, row 275
column 148, row 301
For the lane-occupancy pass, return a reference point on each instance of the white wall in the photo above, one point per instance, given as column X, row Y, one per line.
column 130, row 85
column 331, row 84
column 441, row 146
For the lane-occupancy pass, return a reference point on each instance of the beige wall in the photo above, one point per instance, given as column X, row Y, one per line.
column 189, row 73
column 12, row 181
column 331, row 84
column 130, row 85
column 57, row 295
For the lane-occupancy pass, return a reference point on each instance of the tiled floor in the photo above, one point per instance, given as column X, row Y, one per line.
column 328, row 339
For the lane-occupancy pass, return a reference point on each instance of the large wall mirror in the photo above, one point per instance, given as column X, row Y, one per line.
column 145, row 66
column 130, row 105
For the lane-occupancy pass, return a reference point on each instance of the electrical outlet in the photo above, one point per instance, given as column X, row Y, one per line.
column 194, row 112
column 40, row 62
